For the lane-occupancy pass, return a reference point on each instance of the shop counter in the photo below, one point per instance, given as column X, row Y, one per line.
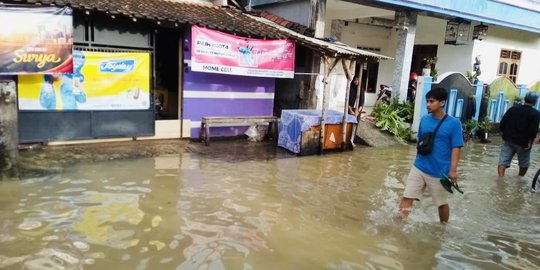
column 299, row 130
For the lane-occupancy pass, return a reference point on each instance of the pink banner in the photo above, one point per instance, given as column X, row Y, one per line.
column 217, row 52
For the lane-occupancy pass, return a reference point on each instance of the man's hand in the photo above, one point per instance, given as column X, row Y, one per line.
column 452, row 175
column 529, row 146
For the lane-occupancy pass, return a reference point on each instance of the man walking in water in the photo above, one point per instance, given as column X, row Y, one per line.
column 519, row 127
column 443, row 159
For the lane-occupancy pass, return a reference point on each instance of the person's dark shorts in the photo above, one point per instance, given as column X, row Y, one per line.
column 508, row 150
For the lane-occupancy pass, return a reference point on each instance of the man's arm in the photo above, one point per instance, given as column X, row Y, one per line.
column 452, row 174
column 503, row 122
column 533, row 127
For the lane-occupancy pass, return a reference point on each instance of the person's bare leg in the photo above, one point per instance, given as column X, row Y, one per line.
column 522, row 171
column 501, row 169
column 404, row 208
column 444, row 213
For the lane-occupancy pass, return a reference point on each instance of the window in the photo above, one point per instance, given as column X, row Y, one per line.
column 509, row 62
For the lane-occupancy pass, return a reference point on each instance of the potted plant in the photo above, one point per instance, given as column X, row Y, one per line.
column 429, row 63
column 434, row 74
column 472, row 77
column 468, row 127
column 483, row 129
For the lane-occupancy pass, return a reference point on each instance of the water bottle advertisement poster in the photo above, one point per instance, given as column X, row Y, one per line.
column 100, row 81
column 35, row 40
column 217, row 52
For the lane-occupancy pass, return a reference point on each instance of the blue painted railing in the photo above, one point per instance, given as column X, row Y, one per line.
column 499, row 106
column 454, row 106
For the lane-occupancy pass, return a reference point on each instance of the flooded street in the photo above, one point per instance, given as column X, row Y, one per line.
column 232, row 209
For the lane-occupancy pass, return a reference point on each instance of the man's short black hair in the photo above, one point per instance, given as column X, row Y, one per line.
column 438, row 93
column 531, row 98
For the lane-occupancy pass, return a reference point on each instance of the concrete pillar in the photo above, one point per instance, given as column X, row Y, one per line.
column 8, row 129
column 405, row 27
column 316, row 22
column 317, row 18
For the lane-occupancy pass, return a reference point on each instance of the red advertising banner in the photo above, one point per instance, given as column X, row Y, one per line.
column 217, row 52
column 36, row 40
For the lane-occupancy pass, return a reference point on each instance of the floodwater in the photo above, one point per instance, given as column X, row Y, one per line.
column 266, row 210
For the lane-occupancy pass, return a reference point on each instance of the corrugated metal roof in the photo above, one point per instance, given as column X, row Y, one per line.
column 207, row 15
column 337, row 48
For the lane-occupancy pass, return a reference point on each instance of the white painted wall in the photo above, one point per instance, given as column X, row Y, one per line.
column 361, row 35
column 429, row 31
column 451, row 58
column 503, row 38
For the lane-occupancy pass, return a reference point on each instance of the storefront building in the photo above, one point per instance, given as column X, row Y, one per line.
column 132, row 60
column 157, row 107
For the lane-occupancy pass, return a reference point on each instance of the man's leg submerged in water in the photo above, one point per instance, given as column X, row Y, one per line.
column 523, row 171
column 501, row 169
column 405, row 207
column 444, row 213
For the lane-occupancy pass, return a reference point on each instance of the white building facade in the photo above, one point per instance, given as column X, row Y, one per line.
column 510, row 48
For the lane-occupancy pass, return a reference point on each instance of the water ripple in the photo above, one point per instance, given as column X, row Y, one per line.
column 225, row 212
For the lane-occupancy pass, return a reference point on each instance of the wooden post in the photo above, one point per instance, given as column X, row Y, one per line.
column 349, row 73
column 329, row 66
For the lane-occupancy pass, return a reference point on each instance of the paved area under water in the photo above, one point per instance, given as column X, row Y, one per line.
column 233, row 205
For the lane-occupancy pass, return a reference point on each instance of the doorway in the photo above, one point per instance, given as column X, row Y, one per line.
column 370, row 72
column 167, row 84
column 166, row 91
column 420, row 54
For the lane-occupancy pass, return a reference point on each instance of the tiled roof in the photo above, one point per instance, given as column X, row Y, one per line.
column 205, row 14
column 180, row 11
column 296, row 27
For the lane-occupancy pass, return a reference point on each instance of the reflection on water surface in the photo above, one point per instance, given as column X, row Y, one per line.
column 266, row 210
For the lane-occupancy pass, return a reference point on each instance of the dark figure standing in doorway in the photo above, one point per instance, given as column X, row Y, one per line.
column 352, row 97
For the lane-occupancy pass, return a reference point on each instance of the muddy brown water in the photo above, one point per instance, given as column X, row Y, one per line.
column 238, row 206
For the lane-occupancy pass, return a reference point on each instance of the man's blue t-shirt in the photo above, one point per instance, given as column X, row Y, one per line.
column 449, row 136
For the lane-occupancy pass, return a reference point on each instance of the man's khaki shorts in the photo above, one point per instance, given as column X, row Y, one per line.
column 417, row 181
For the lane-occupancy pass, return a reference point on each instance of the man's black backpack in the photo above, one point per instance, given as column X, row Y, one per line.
column 425, row 143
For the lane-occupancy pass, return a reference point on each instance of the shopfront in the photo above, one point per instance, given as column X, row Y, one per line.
column 116, row 89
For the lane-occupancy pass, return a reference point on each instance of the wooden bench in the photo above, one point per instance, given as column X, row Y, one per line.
column 232, row 121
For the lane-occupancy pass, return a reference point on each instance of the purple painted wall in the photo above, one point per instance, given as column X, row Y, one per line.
column 208, row 94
